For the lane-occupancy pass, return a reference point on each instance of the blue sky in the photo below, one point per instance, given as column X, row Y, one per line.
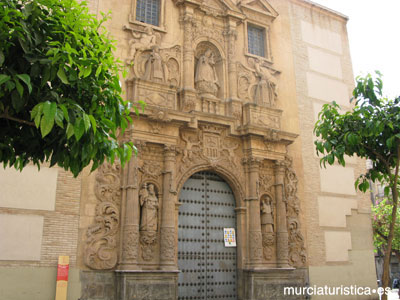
column 374, row 36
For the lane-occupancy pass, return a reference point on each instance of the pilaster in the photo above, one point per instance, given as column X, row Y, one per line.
column 167, row 251
column 281, row 213
column 255, row 237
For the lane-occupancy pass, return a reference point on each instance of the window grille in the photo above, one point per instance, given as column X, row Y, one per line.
column 256, row 40
column 148, row 11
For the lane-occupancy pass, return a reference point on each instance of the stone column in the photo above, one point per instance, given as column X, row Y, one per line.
column 255, row 237
column 282, row 246
column 188, row 94
column 231, row 36
column 188, row 52
column 130, row 243
column 168, row 247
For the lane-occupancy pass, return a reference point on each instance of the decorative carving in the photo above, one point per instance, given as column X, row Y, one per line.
column 101, row 243
column 246, row 79
column 155, row 66
column 188, row 103
column 258, row 83
column 156, row 98
column 151, row 169
column 159, row 115
column 148, row 220
column 207, row 27
column 168, row 243
column 229, row 147
column 131, row 242
column 266, row 120
column 209, row 145
column 141, row 41
column 268, row 243
column 173, row 71
column 206, row 79
column 192, row 146
column 297, row 251
column 266, row 89
column 266, row 182
column 255, row 241
column 231, row 36
column 148, row 240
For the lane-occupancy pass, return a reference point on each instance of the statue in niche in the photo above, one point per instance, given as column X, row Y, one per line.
column 266, row 90
column 149, row 203
column 206, row 79
column 267, row 214
column 155, row 66
column 141, row 41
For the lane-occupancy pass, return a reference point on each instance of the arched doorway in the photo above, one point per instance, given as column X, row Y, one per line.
column 208, row 268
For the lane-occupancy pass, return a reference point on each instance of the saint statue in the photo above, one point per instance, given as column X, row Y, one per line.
column 206, row 79
column 149, row 203
column 266, row 88
column 155, row 67
column 267, row 212
column 141, row 41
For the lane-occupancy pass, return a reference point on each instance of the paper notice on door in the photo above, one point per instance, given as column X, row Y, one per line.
column 229, row 237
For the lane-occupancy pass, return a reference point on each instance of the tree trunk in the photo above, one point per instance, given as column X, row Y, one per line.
column 388, row 252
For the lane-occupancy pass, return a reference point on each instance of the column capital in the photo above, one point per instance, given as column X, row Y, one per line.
column 252, row 162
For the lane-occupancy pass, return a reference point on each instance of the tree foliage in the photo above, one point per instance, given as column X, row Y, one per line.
column 60, row 94
column 370, row 130
column 381, row 219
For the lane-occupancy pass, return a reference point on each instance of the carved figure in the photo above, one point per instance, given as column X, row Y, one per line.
column 149, row 203
column 230, row 147
column 206, row 79
column 267, row 214
column 266, row 88
column 297, row 253
column 188, row 150
column 141, row 41
column 155, row 66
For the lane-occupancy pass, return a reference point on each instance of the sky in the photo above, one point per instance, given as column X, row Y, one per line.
column 374, row 37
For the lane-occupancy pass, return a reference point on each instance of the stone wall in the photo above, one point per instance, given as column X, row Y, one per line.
column 337, row 217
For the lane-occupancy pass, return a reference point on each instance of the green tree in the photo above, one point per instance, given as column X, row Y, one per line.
column 381, row 218
column 370, row 130
column 60, row 94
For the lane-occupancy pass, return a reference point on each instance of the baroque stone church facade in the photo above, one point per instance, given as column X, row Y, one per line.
column 232, row 90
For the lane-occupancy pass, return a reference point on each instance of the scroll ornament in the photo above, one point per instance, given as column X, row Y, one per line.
column 101, row 243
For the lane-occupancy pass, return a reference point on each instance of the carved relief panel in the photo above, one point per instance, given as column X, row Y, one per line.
column 257, row 83
column 297, row 251
column 101, row 251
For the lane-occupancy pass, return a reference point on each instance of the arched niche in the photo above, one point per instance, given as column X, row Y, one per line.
column 209, row 77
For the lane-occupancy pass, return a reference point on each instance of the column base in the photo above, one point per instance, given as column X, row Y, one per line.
column 160, row 285
column 269, row 284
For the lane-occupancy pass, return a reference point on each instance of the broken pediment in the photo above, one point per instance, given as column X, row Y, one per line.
column 259, row 7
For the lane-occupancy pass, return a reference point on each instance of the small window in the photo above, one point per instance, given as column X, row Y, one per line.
column 148, row 11
column 256, row 40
